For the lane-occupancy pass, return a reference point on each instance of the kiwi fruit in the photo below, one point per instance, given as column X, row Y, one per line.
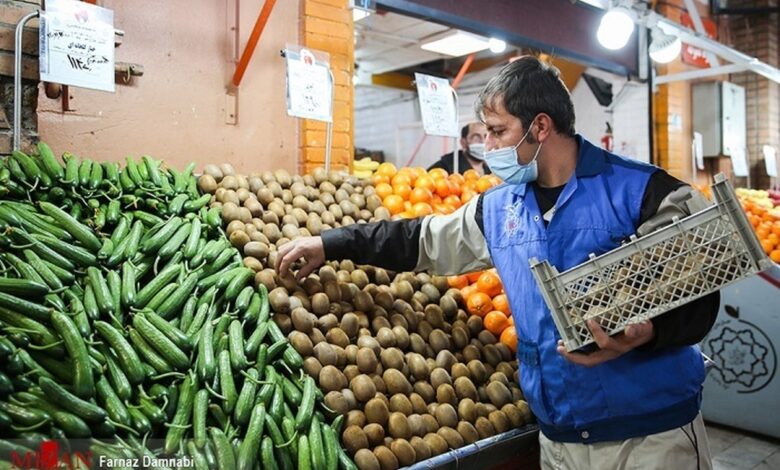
column 363, row 387
column 404, row 451
column 453, row 438
column 386, row 458
column 398, row 426
column 366, row 460
column 376, row 411
column 375, row 434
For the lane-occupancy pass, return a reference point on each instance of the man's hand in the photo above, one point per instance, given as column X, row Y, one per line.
column 611, row 347
column 308, row 248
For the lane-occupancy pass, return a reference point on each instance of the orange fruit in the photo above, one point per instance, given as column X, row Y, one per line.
column 422, row 209
column 458, row 282
column 425, row 182
column 509, row 338
column 383, row 190
column 407, row 215
column 467, row 195
column 483, row 184
column 773, row 238
column 467, row 292
column 495, row 322
column 767, row 246
column 394, row 203
column 442, row 187
column 473, row 277
column 420, row 195
column 407, row 206
column 775, row 255
column 456, row 178
column 453, row 201
column 501, row 303
column 445, row 209
column 438, row 173
column 387, row 169
column 378, row 179
column 490, row 284
column 403, row 190
column 400, row 179
column 776, row 228
column 479, row 304
column 470, row 175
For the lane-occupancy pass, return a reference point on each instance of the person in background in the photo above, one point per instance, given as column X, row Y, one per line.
column 472, row 143
column 632, row 402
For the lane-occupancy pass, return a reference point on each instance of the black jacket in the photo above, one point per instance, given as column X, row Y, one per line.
column 446, row 162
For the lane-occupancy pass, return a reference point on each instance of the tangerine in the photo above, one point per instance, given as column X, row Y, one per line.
column 458, row 282
column 394, row 203
column 383, row 190
column 490, row 284
column 479, row 303
column 422, row 209
column 496, row 322
column 509, row 338
column 442, row 187
column 483, row 184
column 501, row 303
column 387, row 169
column 403, row 190
column 467, row 292
column 438, row 173
column 775, row 255
column 470, row 175
column 420, row 195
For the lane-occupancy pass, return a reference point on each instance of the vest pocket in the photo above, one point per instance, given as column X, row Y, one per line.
column 531, row 379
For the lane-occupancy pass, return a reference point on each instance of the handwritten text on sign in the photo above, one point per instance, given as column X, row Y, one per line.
column 77, row 45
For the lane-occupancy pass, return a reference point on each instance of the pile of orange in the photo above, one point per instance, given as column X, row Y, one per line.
column 415, row 192
column 483, row 294
column 765, row 220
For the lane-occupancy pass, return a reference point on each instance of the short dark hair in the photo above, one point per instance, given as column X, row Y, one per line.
column 464, row 133
column 527, row 87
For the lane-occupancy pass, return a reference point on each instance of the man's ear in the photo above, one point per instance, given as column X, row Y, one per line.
column 544, row 127
column 464, row 144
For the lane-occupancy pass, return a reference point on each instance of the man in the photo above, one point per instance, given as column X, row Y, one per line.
column 472, row 144
column 634, row 401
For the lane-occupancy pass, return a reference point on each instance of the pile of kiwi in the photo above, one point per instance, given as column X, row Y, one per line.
column 395, row 353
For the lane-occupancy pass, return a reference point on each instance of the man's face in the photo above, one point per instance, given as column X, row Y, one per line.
column 506, row 130
column 476, row 135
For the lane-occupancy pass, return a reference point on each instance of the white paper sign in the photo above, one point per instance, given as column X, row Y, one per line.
column 698, row 150
column 437, row 106
column 739, row 161
column 309, row 88
column 770, row 159
column 77, row 45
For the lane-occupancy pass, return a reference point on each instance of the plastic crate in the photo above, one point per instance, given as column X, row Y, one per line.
column 654, row 274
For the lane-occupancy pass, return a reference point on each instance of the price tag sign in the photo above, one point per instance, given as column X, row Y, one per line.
column 77, row 45
column 309, row 87
column 698, row 150
column 739, row 161
column 437, row 106
column 770, row 159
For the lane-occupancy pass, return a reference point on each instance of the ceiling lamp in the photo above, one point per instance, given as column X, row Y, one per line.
column 496, row 46
column 616, row 27
column 664, row 48
column 457, row 44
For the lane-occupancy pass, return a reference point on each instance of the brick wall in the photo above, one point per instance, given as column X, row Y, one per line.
column 327, row 26
column 10, row 14
column 755, row 35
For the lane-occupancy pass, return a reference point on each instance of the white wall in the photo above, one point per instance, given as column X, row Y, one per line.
column 388, row 119
column 627, row 115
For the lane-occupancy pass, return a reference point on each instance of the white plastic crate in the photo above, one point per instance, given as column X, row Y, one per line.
column 653, row 274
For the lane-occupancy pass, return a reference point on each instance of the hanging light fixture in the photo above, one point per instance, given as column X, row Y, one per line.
column 616, row 27
column 664, row 47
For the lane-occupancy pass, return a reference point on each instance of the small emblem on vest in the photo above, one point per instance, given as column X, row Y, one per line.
column 512, row 221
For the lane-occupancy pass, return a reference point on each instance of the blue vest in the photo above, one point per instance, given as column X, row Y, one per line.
column 637, row 394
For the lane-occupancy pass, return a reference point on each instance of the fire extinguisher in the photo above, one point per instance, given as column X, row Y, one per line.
column 606, row 139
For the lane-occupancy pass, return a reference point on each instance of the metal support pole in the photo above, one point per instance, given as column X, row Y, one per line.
column 18, row 78
column 456, row 151
column 329, row 136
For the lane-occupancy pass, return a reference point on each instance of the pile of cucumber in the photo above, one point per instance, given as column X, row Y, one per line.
column 129, row 326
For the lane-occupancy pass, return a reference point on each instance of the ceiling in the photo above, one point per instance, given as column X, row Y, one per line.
column 389, row 42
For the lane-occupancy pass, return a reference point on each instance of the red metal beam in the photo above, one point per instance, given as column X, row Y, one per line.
column 254, row 38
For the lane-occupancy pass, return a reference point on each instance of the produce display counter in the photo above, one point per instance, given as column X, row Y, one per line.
column 515, row 449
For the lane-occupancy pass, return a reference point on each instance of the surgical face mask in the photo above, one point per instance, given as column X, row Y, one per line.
column 503, row 163
column 477, row 151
